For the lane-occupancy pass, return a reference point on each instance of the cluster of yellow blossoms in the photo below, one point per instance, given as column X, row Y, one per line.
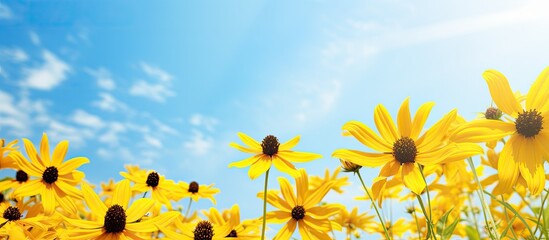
column 430, row 171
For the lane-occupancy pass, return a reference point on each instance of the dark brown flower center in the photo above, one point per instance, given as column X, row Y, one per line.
column 2, row 197
column 50, row 175
column 115, row 219
column 193, row 187
column 21, row 176
column 232, row 234
column 12, row 213
column 203, row 231
column 152, row 179
column 270, row 145
column 529, row 123
column 493, row 113
column 298, row 213
column 404, row 150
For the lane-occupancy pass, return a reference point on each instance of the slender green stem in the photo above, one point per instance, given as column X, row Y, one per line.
column 188, row 208
column 145, row 194
column 427, row 190
column 430, row 225
column 265, row 205
column 490, row 223
column 375, row 205
column 543, row 230
column 417, row 223
column 508, row 221
column 473, row 213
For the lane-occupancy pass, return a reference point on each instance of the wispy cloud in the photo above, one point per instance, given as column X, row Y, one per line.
column 158, row 89
column 198, row 144
column 13, row 54
column 108, row 102
column 86, row 119
column 152, row 141
column 111, row 136
column 48, row 75
column 199, row 120
column 20, row 114
column 5, row 12
column 103, row 78
column 35, row 39
column 163, row 128
column 3, row 73
column 77, row 136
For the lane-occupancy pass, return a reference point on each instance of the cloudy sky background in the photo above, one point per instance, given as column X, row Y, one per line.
column 167, row 85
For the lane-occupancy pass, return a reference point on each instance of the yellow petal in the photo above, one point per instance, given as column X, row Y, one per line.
column 287, row 191
column 289, row 144
column 122, row 194
column 530, row 163
column 253, row 144
column 434, row 136
column 243, row 149
column 25, row 165
column 299, row 157
column 94, row 203
column 483, row 130
column 412, row 178
column 538, row 96
column 286, row 231
column 59, row 152
column 363, row 158
column 45, row 149
column 138, row 209
column 259, row 167
column 420, row 118
column 278, row 217
column 325, row 211
column 246, row 162
column 30, row 188
column 276, row 201
column 508, row 171
column 31, row 153
column 366, row 136
column 501, row 92
column 71, row 165
column 390, row 169
column 285, row 166
column 404, row 120
column 48, row 200
column 385, row 125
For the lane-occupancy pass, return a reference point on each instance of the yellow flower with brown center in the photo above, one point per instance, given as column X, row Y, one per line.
column 160, row 187
column 54, row 179
column 270, row 152
column 403, row 149
column 246, row 230
column 15, row 225
column 524, row 152
column 195, row 191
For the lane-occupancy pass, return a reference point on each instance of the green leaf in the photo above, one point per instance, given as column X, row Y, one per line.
column 509, row 225
column 449, row 231
column 472, row 233
column 441, row 224
column 506, row 205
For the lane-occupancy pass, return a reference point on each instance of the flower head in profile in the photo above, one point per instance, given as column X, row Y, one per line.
column 246, row 230
column 270, row 152
column 402, row 150
column 195, row 191
column 159, row 186
column 54, row 179
column 302, row 210
column 353, row 222
column 524, row 152
column 118, row 220
column 6, row 161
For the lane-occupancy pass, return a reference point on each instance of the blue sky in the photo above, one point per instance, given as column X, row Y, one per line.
column 167, row 85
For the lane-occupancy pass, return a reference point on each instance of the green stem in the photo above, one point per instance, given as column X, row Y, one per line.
column 507, row 219
column 265, row 205
column 543, row 230
column 490, row 223
column 430, row 225
column 375, row 205
column 427, row 190
column 145, row 194
column 473, row 213
column 188, row 208
column 417, row 223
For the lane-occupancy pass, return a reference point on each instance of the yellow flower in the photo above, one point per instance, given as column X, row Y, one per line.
column 270, row 151
column 196, row 191
column 118, row 221
column 247, row 230
column 159, row 186
column 6, row 160
column 394, row 228
column 526, row 148
column 55, row 179
column 14, row 224
column 302, row 209
column 198, row 231
column 21, row 177
column 403, row 149
column 338, row 182
column 352, row 221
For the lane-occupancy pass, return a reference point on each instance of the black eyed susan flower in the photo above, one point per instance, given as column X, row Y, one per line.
column 524, row 152
column 202, row 230
column 270, row 152
column 15, row 225
column 119, row 220
column 195, row 191
column 302, row 210
column 55, row 179
column 246, row 230
column 160, row 187
column 403, row 149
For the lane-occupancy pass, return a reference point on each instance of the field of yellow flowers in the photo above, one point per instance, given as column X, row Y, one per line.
column 432, row 167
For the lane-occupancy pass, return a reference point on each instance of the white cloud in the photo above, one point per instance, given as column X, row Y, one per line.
column 152, row 141
column 86, row 119
column 108, row 103
column 3, row 73
column 103, row 77
column 154, row 91
column 198, row 145
column 5, row 12
column 13, row 54
column 20, row 114
column 111, row 136
column 161, row 127
column 156, row 72
column 199, row 120
column 35, row 39
column 58, row 131
column 48, row 75
column 157, row 90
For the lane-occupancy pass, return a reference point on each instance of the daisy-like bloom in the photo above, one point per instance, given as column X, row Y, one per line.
column 353, row 222
column 203, row 230
column 317, row 181
column 6, row 160
column 403, row 149
column 246, row 230
column 159, row 186
column 14, row 224
column 55, row 179
column 270, row 151
column 302, row 209
column 21, row 177
column 117, row 221
column 195, row 191
column 528, row 143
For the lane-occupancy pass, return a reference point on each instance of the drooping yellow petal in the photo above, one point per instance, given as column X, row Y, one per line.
column 289, row 144
column 66, row 202
column 138, row 209
column 385, row 125
column 94, row 202
column 286, row 231
column 298, row 157
column 366, row 136
column 483, row 130
column 259, row 167
column 420, row 118
column 285, row 166
column 501, row 92
column 538, row 96
column 45, row 150
column 59, row 152
column 404, row 120
column 287, row 191
column 508, row 171
column 48, row 200
column 390, row 169
column 363, row 158
column 278, row 216
column 122, row 194
column 412, row 178
column 70, row 165
column 530, row 163
column 253, row 144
